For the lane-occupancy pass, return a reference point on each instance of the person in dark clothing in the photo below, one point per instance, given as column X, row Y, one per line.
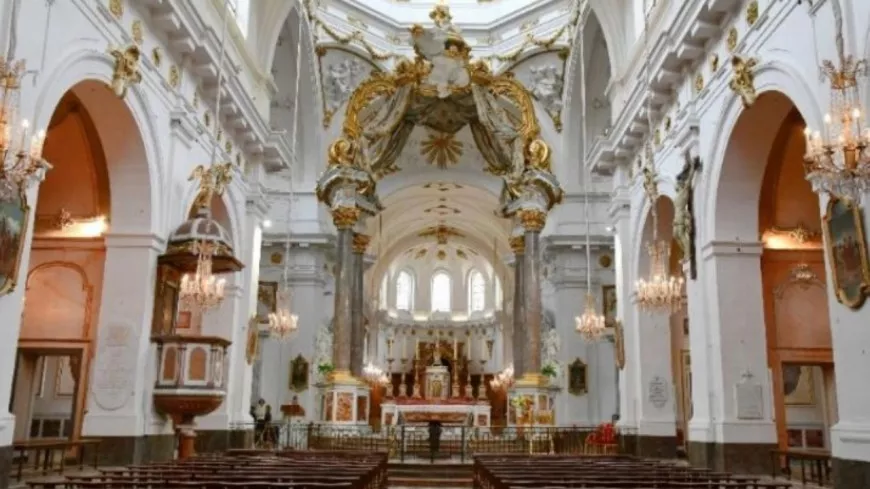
column 258, row 412
column 434, row 437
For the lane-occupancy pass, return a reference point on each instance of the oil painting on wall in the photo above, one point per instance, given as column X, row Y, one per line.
column 267, row 300
column 847, row 252
column 13, row 225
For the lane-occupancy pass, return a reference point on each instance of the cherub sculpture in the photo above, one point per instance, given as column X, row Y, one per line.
column 126, row 70
column 743, row 79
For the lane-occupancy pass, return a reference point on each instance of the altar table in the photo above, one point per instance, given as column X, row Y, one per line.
column 457, row 412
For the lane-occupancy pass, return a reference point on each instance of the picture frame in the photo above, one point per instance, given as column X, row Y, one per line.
column 846, row 246
column 608, row 304
column 14, row 217
column 299, row 375
column 577, row 378
column 267, row 300
column 798, row 385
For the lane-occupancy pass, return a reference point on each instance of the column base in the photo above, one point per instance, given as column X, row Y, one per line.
column 5, row 466
column 850, row 474
column 538, row 406
column 656, row 446
column 347, row 400
column 741, row 458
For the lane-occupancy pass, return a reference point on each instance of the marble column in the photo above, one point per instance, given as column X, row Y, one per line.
column 344, row 219
column 533, row 221
column 518, row 338
column 357, row 304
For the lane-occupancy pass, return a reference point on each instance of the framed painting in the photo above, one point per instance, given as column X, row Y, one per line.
column 299, row 374
column 608, row 306
column 13, row 229
column 577, row 378
column 847, row 252
column 798, row 385
column 267, row 300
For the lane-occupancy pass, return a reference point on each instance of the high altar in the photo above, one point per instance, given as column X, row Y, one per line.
column 437, row 392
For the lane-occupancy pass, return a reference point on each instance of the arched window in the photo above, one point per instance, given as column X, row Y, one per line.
column 404, row 291
column 242, row 11
column 441, row 292
column 382, row 294
column 499, row 294
column 476, row 292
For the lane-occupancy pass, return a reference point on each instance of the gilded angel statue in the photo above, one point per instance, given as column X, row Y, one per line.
column 445, row 49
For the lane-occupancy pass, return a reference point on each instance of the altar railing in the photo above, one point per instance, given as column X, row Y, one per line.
column 455, row 442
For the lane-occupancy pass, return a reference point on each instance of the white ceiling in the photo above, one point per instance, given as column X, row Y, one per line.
column 466, row 13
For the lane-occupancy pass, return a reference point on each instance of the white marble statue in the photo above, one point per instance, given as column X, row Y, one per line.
column 550, row 346
column 323, row 346
column 340, row 81
column 441, row 45
column 546, row 86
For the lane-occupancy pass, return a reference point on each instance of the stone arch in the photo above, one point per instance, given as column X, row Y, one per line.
column 67, row 282
column 591, row 27
column 277, row 17
column 732, row 193
column 642, row 225
column 126, row 130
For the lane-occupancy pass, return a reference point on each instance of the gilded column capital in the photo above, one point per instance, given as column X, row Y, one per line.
column 345, row 217
column 360, row 242
column 532, row 219
column 518, row 244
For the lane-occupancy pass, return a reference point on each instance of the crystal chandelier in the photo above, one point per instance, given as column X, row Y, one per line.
column 837, row 160
column 590, row 324
column 202, row 290
column 282, row 323
column 22, row 163
column 660, row 292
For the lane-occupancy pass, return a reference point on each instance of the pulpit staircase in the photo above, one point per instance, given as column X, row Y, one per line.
column 440, row 475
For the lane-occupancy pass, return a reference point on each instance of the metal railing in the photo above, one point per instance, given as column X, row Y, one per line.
column 453, row 442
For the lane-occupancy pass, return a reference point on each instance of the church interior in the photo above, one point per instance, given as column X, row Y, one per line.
column 409, row 243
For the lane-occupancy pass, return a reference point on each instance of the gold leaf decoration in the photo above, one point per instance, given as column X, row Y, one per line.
column 136, row 29
column 116, row 7
column 442, row 210
column 175, row 78
column 441, row 149
column 441, row 233
column 461, row 254
column 442, row 255
column 420, row 253
column 731, row 42
column 752, row 12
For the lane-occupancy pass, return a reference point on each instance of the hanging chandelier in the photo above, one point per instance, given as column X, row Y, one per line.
column 202, row 290
column 660, row 292
column 837, row 160
column 22, row 164
column 590, row 324
column 282, row 322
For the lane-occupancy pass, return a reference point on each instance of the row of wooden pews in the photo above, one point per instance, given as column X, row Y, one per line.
column 242, row 469
column 603, row 472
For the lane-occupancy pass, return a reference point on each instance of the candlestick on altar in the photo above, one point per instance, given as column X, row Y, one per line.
column 454, row 391
column 481, row 389
column 455, row 349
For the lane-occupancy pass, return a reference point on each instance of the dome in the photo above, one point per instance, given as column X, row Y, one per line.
column 181, row 247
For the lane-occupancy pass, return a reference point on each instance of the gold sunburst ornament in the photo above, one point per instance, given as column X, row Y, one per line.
column 441, row 149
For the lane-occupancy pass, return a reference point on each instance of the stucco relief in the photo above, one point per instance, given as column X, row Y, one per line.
column 115, row 373
column 341, row 74
column 547, row 82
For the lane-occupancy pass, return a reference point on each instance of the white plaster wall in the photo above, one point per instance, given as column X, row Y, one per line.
column 150, row 197
column 787, row 65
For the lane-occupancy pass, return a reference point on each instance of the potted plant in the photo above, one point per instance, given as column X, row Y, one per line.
column 549, row 370
column 325, row 369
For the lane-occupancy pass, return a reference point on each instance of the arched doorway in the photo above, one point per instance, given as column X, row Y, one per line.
column 664, row 352
column 765, row 251
column 100, row 182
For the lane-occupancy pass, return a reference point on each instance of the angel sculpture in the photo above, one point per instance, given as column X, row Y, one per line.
column 126, row 70
column 212, row 181
column 445, row 49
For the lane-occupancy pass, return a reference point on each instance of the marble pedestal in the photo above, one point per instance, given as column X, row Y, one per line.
column 538, row 400
column 346, row 401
